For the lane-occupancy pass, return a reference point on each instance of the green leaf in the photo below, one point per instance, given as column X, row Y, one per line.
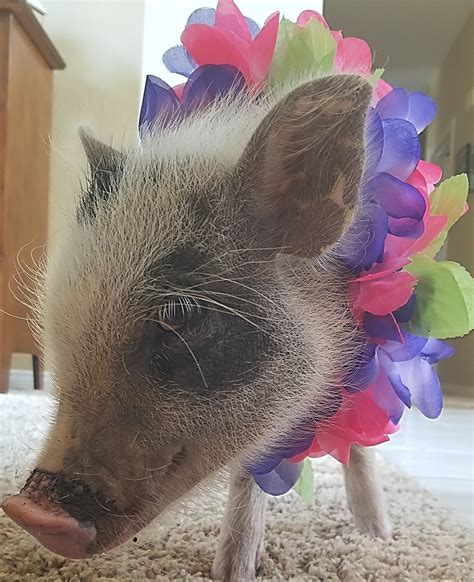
column 304, row 487
column 449, row 198
column 301, row 51
column 444, row 306
column 376, row 76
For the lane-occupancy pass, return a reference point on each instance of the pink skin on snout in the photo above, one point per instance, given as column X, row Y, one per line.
column 51, row 526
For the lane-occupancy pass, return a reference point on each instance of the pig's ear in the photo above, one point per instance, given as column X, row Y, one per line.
column 304, row 164
column 105, row 171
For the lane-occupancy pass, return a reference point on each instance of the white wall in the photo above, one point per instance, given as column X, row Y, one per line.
column 102, row 45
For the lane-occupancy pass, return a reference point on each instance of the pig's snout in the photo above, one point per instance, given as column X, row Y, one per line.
column 48, row 507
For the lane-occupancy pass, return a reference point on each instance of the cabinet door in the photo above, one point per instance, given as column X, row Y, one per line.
column 25, row 116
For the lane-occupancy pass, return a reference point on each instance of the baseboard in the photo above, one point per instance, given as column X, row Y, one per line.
column 461, row 390
column 22, row 381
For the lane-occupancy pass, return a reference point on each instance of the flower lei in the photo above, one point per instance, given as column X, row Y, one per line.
column 402, row 298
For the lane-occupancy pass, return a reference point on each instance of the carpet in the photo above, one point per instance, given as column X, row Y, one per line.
column 301, row 544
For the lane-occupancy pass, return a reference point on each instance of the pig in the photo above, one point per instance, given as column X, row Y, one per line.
column 194, row 314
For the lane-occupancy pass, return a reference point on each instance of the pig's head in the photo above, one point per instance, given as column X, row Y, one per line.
column 194, row 312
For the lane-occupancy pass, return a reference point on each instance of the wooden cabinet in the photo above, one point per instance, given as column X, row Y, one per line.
column 27, row 61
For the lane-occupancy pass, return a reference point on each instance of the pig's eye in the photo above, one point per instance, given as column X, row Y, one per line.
column 177, row 313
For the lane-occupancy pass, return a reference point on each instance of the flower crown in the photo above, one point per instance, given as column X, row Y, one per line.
column 403, row 299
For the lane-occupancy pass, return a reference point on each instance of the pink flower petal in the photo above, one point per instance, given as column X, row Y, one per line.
column 307, row 15
column 178, row 89
column 209, row 46
column 261, row 51
column 230, row 19
column 383, row 295
column 418, row 181
column 353, row 56
column 381, row 89
column 431, row 172
column 434, row 225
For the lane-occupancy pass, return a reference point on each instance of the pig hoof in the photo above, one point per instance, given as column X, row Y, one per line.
column 236, row 563
column 374, row 523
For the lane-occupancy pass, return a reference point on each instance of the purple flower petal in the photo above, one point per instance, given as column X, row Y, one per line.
column 373, row 142
column 381, row 327
column 398, row 199
column 435, row 350
column 159, row 104
column 266, row 464
column 299, row 441
column 178, row 60
column 411, row 228
column 281, row 479
column 404, row 313
column 364, row 242
column 209, row 82
column 365, row 369
column 394, row 105
column 387, row 399
column 254, row 28
column 422, row 110
column 410, row 348
column 393, row 375
column 424, row 386
column 401, row 149
column 202, row 16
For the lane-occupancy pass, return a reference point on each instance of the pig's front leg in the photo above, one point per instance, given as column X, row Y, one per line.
column 240, row 543
column 365, row 495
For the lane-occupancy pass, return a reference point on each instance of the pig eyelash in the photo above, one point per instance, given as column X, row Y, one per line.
column 178, row 312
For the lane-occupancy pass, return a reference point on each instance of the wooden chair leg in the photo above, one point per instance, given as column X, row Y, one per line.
column 37, row 373
column 5, row 365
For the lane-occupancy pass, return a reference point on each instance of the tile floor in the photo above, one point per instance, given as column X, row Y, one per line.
column 439, row 455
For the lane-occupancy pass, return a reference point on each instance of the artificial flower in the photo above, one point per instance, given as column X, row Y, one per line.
column 162, row 104
column 406, row 372
column 229, row 41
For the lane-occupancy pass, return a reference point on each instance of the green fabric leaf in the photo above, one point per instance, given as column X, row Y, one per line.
column 376, row 76
column 304, row 487
column 301, row 51
column 449, row 198
column 444, row 306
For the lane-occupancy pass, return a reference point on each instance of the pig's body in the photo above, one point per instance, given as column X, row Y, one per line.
column 195, row 314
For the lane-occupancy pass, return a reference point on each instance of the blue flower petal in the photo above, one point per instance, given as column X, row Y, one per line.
column 411, row 228
column 253, row 27
column 159, row 104
column 381, row 327
column 404, row 313
column 209, row 82
column 435, row 350
column 391, row 370
column 364, row 371
column 387, row 399
column 373, row 142
column 178, row 60
column 394, row 105
column 411, row 347
column 422, row 110
column 266, row 464
column 401, row 149
column 281, row 479
column 202, row 16
column 364, row 242
column 397, row 198
column 424, row 386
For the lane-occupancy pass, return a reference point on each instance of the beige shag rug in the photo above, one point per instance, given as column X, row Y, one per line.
column 301, row 544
